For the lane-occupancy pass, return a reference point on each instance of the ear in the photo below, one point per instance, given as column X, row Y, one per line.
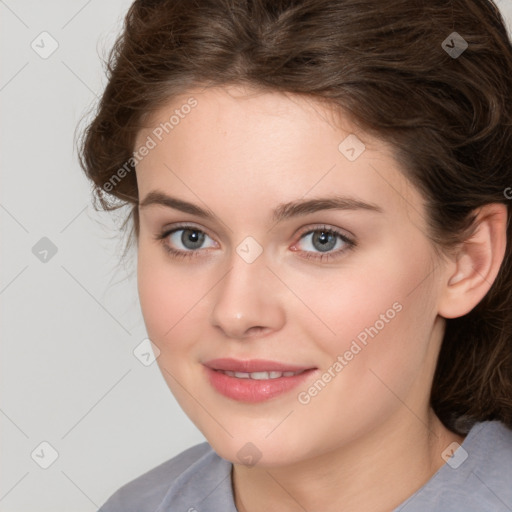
column 473, row 268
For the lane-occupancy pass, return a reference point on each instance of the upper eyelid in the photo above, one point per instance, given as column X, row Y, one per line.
column 186, row 225
column 326, row 227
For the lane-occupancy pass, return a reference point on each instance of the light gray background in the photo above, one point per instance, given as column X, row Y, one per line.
column 70, row 324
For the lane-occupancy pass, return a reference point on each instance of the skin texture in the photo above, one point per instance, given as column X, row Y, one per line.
column 368, row 439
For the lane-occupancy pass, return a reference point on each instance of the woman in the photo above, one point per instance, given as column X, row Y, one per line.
column 320, row 196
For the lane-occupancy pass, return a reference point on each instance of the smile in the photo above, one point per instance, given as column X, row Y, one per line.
column 255, row 386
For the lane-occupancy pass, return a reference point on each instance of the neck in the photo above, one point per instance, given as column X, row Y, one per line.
column 377, row 472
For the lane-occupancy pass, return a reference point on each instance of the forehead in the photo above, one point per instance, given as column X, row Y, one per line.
column 265, row 146
column 239, row 111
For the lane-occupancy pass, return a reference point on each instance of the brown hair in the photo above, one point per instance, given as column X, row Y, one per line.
column 387, row 65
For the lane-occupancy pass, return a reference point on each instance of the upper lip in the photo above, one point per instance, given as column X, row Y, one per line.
column 253, row 365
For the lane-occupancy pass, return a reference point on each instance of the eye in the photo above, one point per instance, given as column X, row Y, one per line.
column 185, row 241
column 190, row 238
column 323, row 243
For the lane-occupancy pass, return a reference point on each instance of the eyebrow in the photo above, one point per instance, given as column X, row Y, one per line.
column 282, row 212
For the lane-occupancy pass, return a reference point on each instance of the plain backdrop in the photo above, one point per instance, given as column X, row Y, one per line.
column 80, row 414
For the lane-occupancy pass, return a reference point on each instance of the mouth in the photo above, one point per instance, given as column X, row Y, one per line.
column 254, row 380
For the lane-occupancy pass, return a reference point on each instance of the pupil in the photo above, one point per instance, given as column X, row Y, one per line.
column 325, row 240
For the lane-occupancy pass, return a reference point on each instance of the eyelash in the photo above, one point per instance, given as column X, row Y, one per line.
column 327, row 256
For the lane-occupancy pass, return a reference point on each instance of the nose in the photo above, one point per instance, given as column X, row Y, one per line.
column 247, row 302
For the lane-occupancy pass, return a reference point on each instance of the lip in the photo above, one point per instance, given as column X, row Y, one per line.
column 252, row 390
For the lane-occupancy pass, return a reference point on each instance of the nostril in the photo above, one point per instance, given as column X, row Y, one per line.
column 257, row 329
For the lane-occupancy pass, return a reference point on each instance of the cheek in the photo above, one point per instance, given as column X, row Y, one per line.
column 173, row 314
column 169, row 296
column 341, row 303
column 377, row 316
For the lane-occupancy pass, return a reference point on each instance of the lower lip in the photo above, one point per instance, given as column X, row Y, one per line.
column 252, row 390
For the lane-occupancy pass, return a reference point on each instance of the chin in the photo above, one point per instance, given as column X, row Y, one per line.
column 255, row 450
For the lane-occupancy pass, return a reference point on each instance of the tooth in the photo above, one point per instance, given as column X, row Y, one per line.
column 259, row 375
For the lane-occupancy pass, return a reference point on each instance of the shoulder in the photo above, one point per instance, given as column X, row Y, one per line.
column 478, row 475
column 491, row 451
column 186, row 470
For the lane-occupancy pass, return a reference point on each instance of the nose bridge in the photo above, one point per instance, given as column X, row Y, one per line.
column 244, row 298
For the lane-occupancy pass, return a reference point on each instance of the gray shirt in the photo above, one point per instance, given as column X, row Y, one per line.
column 477, row 477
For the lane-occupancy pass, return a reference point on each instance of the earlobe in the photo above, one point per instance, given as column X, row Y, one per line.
column 476, row 264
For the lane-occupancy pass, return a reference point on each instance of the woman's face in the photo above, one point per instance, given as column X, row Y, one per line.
column 293, row 244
